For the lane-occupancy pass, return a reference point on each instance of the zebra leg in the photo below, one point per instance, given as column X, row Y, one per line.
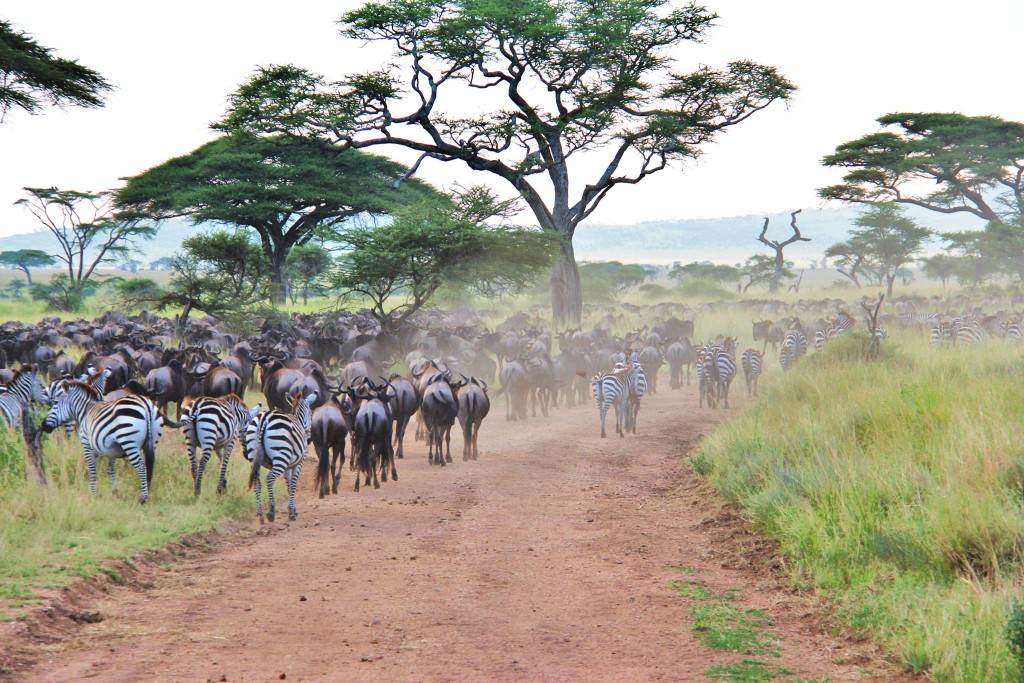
column 604, row 413
column 258, row 487
column 225, row 456
column 272, row 475
column 636, row 413
column 195, row 466
column 110, row 474
column 292, row 478
column 134, row 456
column 207, row 454
column 90, row 463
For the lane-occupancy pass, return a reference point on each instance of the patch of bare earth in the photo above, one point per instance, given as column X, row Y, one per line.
column 548, row 559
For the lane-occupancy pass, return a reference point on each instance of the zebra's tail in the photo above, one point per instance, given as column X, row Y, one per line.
column 257, row 458
column 149, row 449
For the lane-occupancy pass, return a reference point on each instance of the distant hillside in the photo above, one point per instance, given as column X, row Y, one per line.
column 722, row 240
column 732, row 240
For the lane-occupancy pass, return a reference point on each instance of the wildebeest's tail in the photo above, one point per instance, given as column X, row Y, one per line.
column 321, row 483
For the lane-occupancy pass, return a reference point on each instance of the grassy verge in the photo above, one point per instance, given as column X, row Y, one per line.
column 897, row 487
column 51, row 536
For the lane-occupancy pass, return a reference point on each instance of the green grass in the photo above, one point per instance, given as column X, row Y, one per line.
column 53, row 535
column 897, row 488
column 749, row 671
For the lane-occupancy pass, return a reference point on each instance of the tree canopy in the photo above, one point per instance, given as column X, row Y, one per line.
column 31, row 76
column 222, row 273
column 721, row 274
column 602, row 280
column 760, row 269
column 287, row 190
column 23, row 259
column 886, row 241
column 397, row 268
column 949, row 163
column 568, row 79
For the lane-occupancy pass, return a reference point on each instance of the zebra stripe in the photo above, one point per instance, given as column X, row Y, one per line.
column 129, row 427
column 725, row 371
column 212, row 424
column 279, row 441
column 752, row 369
column 24, row 388
column 610, row 389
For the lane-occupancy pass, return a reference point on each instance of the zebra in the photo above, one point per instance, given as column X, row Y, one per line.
column 940, row 333
column 751, row 369
column 725, row 370
column 822, row 336
column 844, row 322
column 610, row 389
column 129, row 427
column 1015, row 331
column 279, row 441
column 793, row 346
column 213, row 424
column 705, row 374
column 22, row 389
column 636, row 389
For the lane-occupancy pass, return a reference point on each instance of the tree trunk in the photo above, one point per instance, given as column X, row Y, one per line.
column 566, row 293
column 777, row 277
column 277, row 274
column 889, row 280
column 182, row 320
column 28, row 275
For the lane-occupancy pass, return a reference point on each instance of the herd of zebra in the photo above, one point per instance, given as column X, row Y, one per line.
column 328, row 381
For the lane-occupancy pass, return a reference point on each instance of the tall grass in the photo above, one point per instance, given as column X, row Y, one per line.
column 51, row 535
column 897, row 487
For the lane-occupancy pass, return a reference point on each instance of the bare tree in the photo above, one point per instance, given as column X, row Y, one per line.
column 778, row 247
column 88, row 231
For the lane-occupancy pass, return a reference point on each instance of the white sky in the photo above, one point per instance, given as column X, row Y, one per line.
column 175, row 63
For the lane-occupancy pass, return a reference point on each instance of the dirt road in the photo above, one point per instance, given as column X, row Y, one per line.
column 549, row 559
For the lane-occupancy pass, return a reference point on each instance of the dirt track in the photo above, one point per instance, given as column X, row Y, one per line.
column 549, row 559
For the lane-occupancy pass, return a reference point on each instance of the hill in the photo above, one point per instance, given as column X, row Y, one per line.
column 722, row 240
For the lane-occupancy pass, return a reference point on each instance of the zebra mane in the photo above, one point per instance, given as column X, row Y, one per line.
column 88, row 388
column 24, row 369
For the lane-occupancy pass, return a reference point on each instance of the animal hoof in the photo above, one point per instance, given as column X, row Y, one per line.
column 270, row 516
column 292, row 516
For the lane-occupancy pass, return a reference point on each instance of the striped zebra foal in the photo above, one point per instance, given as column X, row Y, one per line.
column 611, row 389
column 24, row 388
column 751, row 362
column 129, row 427
column 213, row 424
column 279, row 441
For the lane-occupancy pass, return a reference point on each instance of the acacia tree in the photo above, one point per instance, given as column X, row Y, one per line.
column 850, row 259
column 566, row 78
column 287, row 190
column 940, row 266
column 31, row 76
column 889, row 239
column 221, row 273
column 23, row 259
column 88, row 230
column 306, row 264
column 778, row 248
column 397, row 268
column 760, row 268
column 948, row 163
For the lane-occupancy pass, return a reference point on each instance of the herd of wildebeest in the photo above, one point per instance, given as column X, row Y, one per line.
column 334, row 380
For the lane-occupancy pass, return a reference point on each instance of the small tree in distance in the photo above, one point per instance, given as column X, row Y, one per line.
column 23, row 259
column 761, row 269
column 397, row 268
column 306, row 265
column 940, row 267
column 89, row 233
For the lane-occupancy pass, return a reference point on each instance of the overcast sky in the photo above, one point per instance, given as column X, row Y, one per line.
column 173, row 65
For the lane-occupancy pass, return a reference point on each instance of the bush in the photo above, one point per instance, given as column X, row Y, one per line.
column 704, row 290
